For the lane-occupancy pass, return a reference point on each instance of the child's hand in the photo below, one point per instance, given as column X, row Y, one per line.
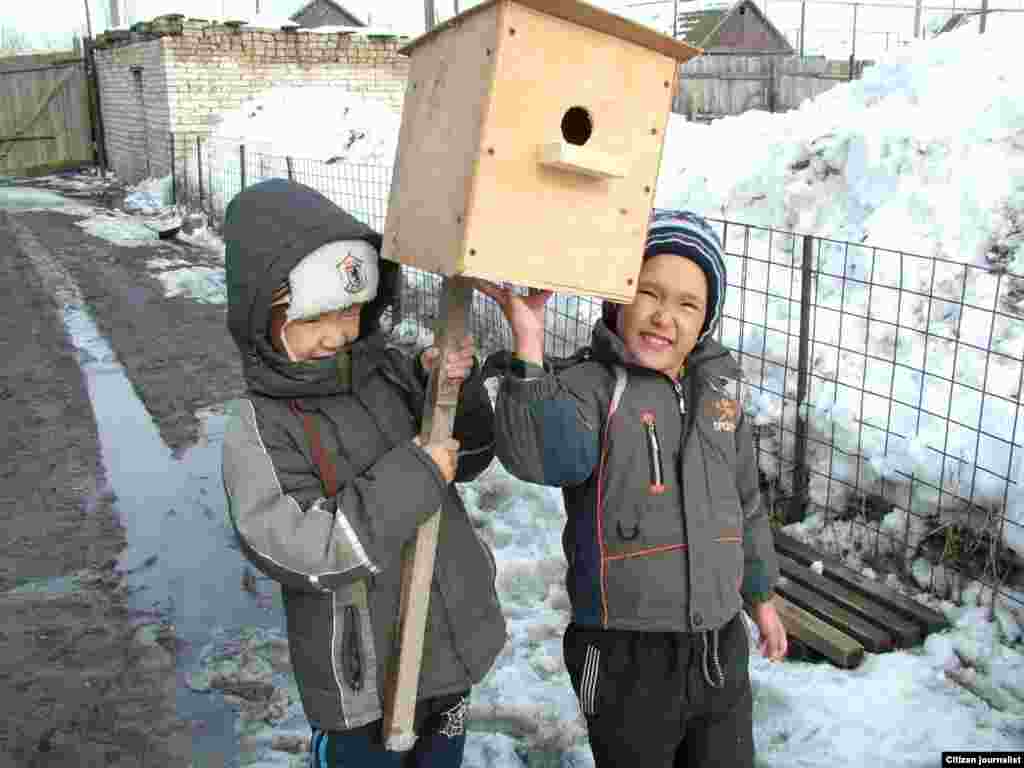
column 460, row 361
column 445, row 455
column 525, row 314
column 774, row 644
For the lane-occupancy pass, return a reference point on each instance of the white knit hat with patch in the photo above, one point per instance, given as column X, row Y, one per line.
column 334, row 276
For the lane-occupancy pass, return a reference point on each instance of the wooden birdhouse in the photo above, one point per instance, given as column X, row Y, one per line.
column 530, row 143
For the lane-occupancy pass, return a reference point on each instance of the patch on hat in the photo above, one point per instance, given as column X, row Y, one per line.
column 333, row 277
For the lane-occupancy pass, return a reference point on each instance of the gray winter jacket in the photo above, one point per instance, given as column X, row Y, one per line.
column 665, row 528
column 338, row 558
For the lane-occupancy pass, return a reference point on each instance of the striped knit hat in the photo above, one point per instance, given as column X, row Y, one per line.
column 689, row 235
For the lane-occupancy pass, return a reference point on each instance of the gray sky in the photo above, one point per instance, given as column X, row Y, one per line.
column 877, row 28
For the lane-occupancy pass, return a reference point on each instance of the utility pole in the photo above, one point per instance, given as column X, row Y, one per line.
column 917, row 19
column 456, row 7
column 984, row 17
column 428, row 13
column 853, row 50
column 675, row 20
column 88, row 21
column 803, row 26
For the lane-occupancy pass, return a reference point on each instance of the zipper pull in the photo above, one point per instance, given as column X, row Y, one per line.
column 657, row 485
column 679, row 394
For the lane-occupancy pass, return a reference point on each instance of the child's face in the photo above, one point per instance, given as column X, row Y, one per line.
column 322, row 336
column 661, row 326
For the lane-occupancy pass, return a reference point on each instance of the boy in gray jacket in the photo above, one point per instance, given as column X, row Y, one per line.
column 326, row 478
column 665, row 534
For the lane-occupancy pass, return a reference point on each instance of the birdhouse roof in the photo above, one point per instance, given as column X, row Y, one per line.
column 584, row 15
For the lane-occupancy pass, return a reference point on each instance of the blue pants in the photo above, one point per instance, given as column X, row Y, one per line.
column 440, row 743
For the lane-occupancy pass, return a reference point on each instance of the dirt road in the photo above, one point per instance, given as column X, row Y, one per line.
column 86, row 682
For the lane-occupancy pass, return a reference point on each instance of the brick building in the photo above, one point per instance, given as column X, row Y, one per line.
column 172, row 75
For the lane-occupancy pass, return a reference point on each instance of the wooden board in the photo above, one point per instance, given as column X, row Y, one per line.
column 548, row 228
column 841, row 650
column 872, row 637
column 929, row 620
column 400, row 694
column 584, row 15
column 450, row 82
column 905, row 632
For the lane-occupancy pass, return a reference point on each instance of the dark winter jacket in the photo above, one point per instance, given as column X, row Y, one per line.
column 338, row 559
column 664, row 514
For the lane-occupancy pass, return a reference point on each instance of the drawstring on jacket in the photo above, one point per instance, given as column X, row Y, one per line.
column 714, row 657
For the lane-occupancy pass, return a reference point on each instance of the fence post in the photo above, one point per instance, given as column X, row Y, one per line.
column 291, row 169
column 241, row 160
column 174, row 173
column 798, row 500
column 199, row 169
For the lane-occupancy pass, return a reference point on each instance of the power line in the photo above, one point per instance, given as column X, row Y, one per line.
column 894, row 6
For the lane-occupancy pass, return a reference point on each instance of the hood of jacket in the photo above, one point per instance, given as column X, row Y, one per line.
column 268, row 229
column 708, row 358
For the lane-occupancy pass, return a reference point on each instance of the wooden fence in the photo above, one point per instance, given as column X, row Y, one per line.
column 716, row 86
column 44, row 115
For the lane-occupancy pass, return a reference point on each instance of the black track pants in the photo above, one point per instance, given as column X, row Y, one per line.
column 648, row 700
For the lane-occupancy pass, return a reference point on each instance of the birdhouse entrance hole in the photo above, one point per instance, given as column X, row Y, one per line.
column 577, row 126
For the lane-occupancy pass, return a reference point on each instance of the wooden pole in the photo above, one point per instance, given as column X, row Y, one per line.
column 917, row 18
column 984, row 17
column 803, row 26
column 418, row 555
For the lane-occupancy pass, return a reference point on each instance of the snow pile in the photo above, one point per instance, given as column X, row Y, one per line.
column 925, row 155
column 337, row 125
column 149, row 196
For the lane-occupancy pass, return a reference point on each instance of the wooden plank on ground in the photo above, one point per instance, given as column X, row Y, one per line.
column 905, row 632
column 872, row 637
column 840, row 649
column 929, row 620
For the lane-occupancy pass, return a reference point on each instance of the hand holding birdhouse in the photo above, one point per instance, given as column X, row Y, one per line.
column 525, row 316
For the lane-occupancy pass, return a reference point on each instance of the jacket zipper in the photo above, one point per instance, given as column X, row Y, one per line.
column 351, row 656
column 679, row 395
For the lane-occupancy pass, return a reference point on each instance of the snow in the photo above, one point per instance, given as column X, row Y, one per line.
column 805, row 713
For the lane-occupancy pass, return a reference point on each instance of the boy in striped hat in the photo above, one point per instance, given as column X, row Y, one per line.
column 665, row 535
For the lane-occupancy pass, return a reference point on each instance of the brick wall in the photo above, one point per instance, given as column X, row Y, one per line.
column 136, row 120
column 202, row 70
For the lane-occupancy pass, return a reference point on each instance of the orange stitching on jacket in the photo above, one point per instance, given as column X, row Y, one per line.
column 648, row 551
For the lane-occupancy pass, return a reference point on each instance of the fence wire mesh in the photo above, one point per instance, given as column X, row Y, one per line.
column 885, row 387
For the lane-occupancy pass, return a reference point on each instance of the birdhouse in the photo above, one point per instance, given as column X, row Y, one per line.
column 530, row 143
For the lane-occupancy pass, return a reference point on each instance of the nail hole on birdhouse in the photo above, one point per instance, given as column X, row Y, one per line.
column 629, row 281
column 472, row 251
column 666, row 84
column 577, row 126
column 647, row 190
column 654, row 131
column 488, row 51
column 512, row 31
column 490, row 150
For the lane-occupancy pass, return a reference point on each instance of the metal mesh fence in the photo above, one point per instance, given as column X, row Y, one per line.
column 885, row 387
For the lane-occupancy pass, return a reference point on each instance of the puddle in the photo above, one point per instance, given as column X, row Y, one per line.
column 20, row 199
column 180, row 560
column 181, row 564
column 54, row 585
